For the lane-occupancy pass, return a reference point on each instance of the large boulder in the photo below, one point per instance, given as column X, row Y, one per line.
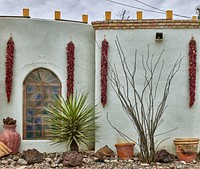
column 164, row 157
column 72, row 158
column 32, row 156
column 104, row 153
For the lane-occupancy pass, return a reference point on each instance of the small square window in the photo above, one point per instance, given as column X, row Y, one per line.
column 38, row 96
column 38, row 120
column 38, row 127
column 29, row 127
column 159, row 36
column 38, row 134
column 29, row 135
column 30, row 119
column 30, row 112
column 30, row 89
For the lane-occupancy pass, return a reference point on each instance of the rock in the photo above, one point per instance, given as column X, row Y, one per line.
column 9, row 157
column 47, row 163
column 72, row 158
column 21, row 161
column 88, row 160
column 194, row 161
column 136, row 159
column 39, row 167
column 60, row 165
column 58, row 160
column 10, row 160
column 144, row 164
column 114, row 161
column 163, row 156
column 15, row 157
column 48, row 160
column 104, row 153
column 22, row 167
column 54, row 165
column 130, row 161
column 32, row 156
column 13, row 164
column 106, row 161
column 4, row 162
column 182, row 162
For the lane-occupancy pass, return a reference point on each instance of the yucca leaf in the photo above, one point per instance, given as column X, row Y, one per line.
column 72, row 120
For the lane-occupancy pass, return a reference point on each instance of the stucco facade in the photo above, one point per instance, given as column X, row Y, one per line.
column 137, row 35
column 42, row 43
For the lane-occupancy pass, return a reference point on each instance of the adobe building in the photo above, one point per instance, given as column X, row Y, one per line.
column 40, row 65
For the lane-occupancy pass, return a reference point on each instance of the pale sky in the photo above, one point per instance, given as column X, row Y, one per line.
column 73, row 9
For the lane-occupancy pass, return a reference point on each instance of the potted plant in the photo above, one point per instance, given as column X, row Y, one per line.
column 125, row 149
column 186, row 148
column 9, row 136
column 72, row 121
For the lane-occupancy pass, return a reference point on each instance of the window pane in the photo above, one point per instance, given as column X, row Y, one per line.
column 38, row 96
column 38, row 127
column 30, row 89
column 30, row 112
column 29, row 135
column 55, row 89
column 29, row 127
column 30, row 119
column 38, row 134
column 38, row 120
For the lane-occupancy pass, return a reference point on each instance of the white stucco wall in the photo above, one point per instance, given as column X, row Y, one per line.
column 41, row 43
column 178, row 114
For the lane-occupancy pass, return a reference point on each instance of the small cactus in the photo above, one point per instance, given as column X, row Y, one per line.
column 9, row 121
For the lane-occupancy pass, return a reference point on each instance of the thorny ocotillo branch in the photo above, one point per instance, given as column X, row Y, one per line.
column 142, row 105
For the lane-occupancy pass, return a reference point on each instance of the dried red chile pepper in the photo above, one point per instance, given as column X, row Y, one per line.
column 70, row 68
column 104, row 71
column 192, row 70
column 9, row 67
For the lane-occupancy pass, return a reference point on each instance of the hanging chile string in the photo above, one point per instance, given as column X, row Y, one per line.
column 104, row 71
column 9, row 67
column 192, row 70
column 70, row 68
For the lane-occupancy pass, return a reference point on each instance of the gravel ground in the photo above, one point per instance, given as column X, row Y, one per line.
column 54, row 161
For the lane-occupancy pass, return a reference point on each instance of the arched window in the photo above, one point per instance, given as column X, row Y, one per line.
column 39, row 86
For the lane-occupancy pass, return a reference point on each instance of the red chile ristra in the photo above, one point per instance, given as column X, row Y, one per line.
column 104, row 71
column 9, row 67
column 192, row 70
column 70, row 68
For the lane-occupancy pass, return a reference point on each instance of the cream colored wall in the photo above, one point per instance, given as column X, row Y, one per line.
column 178, row 114
column 41, row 43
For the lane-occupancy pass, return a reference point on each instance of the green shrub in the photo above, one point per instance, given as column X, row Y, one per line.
column 72, row 122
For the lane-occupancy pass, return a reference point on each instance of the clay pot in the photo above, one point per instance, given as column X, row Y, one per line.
column 11, row 138
column 186, row 148
column 125, row 150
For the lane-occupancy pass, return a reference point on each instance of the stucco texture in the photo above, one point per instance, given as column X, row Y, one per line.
column 178, row 114
column 41, row 44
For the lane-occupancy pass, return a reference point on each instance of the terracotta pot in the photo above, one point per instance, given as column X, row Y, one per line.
column 125, row 150
column 11, row 138
column 186, row 148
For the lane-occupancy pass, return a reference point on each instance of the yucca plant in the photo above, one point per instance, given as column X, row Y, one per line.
column 72, row 121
